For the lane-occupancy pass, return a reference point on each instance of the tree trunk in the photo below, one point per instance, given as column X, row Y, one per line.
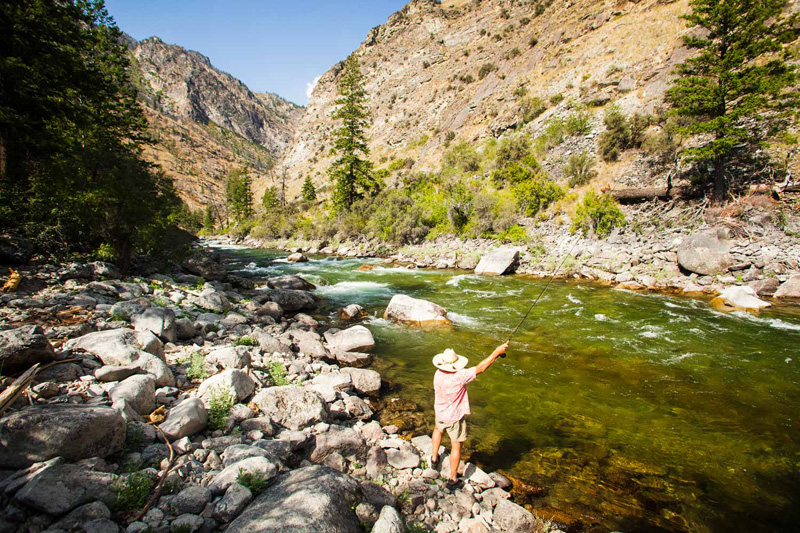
column 635, row 196
column 720, row 183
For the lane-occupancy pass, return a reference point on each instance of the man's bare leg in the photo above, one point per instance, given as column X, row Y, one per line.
column 436, row 442
column 455, row 458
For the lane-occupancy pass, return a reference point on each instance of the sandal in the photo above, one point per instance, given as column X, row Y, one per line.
column 435, row 463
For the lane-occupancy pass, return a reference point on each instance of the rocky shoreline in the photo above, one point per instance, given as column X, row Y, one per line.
column 193, row 402
column 705, row 260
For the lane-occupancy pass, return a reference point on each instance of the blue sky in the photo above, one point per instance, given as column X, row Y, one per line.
column 271, row 45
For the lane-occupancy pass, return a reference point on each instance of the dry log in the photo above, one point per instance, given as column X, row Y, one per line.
column 634, row 196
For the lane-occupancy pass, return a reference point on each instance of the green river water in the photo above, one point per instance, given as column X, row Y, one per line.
column 627, row 411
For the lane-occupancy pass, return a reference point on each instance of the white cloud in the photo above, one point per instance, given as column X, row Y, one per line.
column 310, row 86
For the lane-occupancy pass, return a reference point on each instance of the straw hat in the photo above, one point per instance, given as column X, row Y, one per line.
column 449, row 361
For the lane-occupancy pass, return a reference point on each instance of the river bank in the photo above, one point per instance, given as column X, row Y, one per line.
column 231, row 405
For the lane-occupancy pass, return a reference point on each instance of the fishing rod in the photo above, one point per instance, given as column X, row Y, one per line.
column 552, row 277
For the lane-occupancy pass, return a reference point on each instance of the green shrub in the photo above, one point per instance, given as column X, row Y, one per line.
column 556, row 99
column 255, row 481
column 516, row 234
column 486, row 69
column 466, row 78
column 220, row 403
column 552, row 136
column 132, row 493
column 277, row 374
column 600, row 213
column 514, row 52
column 536, row 194
column 578, row 123
column 105, row 252
column 245, row 341
column 512, row 149
column 532, row 108
column 533, row 42
column 197, row 367
column 622, row 133
column 579, row 169
column 463, row 157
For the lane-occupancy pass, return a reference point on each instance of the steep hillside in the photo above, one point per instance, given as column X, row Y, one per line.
column 441, row 73
column 206, row 122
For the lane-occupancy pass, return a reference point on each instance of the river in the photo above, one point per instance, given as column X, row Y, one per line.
column 630, row 411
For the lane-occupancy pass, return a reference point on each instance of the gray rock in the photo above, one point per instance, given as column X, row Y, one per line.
column 378, row 495
column 352, row 359
column 404, row 457
column 192, row 499
column 498, row 262
column 349, row 312
column 138, row 391
column 232, row 503
column 184, row 329
column 291, row 300
column 158, row 320
column 353, row 339
column 115, row 373
column 240, row 452
column 346, row 441
column 337, row 381
column 765, row 287
column 262, row 465
column 213, row 301
column 740, row 297
column 270, row 344
column 189, row 521
column 704, row 254
column 185, row 419
column 37, row 434
column 237, row 381
column 260, row 423
column 206, row 268
column 357, row 408
column 513, row 518
column 492, row 496
column 125, row 310
column 376, row 462
column 270, row 309
column 291, row 406
column 404, row 308
column 83, row 514
column 308, row 342
column 297, row 257
column 295, row 283
column 789, row 289
column 389, row 521
column 62, row 488
column 101, row 525
column 279, row 450
column 229, row 357
column 364, row 381
column 23, row 347
column 313, row 499
column 502, row 481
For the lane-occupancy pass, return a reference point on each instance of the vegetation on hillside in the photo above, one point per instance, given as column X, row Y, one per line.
column 71, row 133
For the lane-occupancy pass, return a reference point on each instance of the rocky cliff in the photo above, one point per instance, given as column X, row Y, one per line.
column 441, row 73
column 206, row 122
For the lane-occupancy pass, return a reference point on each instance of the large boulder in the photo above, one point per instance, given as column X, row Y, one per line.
column 297, row 257
column 139, row 392
column 252, row 465
column 789, row 289
column 308, row 342
column 313, row 499
column 345, row 441
column 389, row 521
column 158, row 320
column 185, row 419
column 205, row 267
column 404, row 308
column 126, row 347
column 229, row 357
column 354, row 339
column 705, row 255
column 61, row 488
column 23, row 347
column 736, row 297
column 295, row 283
column 498, row 262
column 36, row 434
column 513, row 518
column 364, row 380
column 212, row 300
column 291, row 300
column 291, row 406
column 234, row 380
column 127, row 309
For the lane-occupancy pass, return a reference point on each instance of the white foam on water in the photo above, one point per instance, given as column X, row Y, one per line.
column 574, row 300
column 354, row 287
column 600, row 317
column 455, row 280
column 460, row 319
column 776, row 323
column 220, row 246
column 679, row 358
column 395, row 270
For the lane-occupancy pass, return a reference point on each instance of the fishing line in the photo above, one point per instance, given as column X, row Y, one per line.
column 540, row 294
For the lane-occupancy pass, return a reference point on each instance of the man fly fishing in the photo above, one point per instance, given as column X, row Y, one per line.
column 452, row 403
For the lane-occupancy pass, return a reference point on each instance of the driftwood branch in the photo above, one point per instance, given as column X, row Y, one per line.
column 10, row 395
column 160, row 487
column 635, row 196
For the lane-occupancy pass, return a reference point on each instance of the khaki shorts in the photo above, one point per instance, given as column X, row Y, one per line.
column 457, row 431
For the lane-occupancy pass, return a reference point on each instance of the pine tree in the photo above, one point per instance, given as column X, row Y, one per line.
column 240, row 194
column 270, row 199
column 309, row 192
column 737, row 88
column 208, row 219
column 352, row 170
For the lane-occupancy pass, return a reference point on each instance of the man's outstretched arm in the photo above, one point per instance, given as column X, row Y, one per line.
column 484, row 365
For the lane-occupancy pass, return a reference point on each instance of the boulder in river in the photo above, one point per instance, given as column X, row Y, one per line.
column 354, row 339
column 736, row 297
column 297, row 257
column 498, row 262
column 307, row 500
column 295, row 283
column 74, row 432
column 705, row 255
column 404, row 308
column 789, row 289
column 292, row 300
column 23, row 347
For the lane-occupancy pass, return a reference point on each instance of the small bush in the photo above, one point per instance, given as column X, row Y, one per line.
column 486, row 69
column 600, row 213
column 622, row 133
column 533, row 42
column 579, row 169
column 277, row 374
column 197, row 367
column 577, row 123
column 516, row 234
column 463, row 157
column 219, row 406
column 556, row 99
column 536, row 194
column 512, row 149
column 255, row 481
column 552, row 136
column 466, row 78
column 532, row 107
column 132, row 493
column 245, row 341
column 514, row 52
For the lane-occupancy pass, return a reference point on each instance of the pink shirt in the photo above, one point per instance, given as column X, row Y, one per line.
column 452, row 402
